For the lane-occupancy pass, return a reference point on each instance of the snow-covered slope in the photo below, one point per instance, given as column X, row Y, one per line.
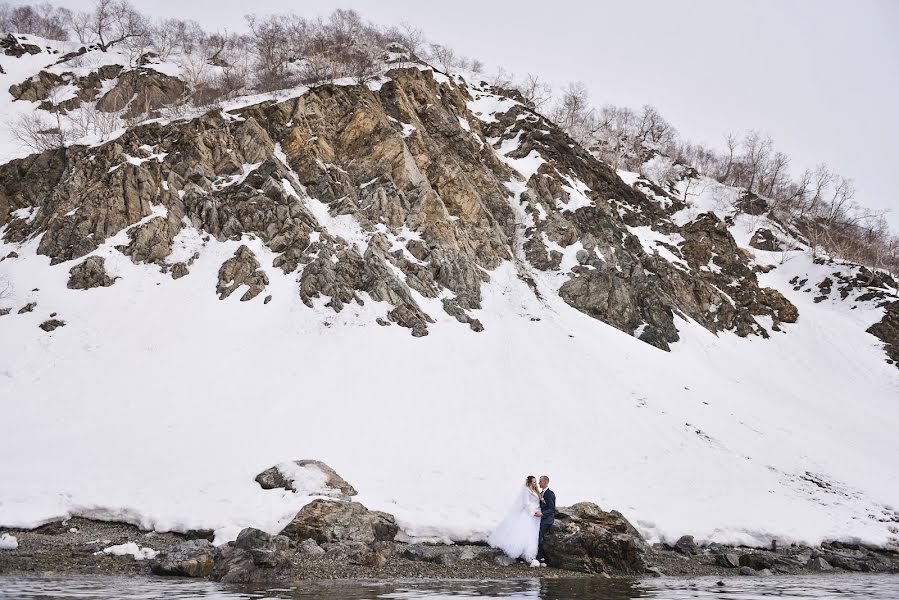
column 158, row 403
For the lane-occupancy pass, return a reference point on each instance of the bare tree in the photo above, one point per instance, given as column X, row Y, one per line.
column 535, row 92
column 111, row 22
column 37, row 132
column 444, row 56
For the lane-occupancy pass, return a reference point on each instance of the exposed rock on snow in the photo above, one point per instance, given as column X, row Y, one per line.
column 586, row 538
column 193, row 558
column 239, row 270
column 142, row 90
column 51, row 324
column 329, row 521
column 309, row 477
column 90, row 273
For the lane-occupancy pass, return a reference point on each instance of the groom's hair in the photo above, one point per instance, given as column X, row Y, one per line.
column 546, row 477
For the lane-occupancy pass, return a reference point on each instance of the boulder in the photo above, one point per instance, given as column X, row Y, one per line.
column 818, row 564
column 194, row 558
column 588, row 539
column 90, row 273
column 441, row 555
column 311, row 477
column 727, row 559
column 254, row 557
column 764, row 239
column 332, row 521
column 757, row 561
column 51, row 324
column 686, row 545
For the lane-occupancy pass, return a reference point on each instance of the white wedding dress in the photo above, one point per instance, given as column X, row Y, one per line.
column 518, row 534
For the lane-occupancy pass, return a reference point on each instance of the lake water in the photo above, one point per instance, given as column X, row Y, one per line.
column 823, row 587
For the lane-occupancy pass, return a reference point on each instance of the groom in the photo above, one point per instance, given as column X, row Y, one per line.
column 547, row 514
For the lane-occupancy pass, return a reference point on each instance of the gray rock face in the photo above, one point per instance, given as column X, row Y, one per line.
column 194, row 558
column 331, row 521
column 254, row 557
column 241, row 269
column 90, row 273
column 586, row 538
column 27, row 308
column 142, row 91
column 334, row 485
column 433, row 209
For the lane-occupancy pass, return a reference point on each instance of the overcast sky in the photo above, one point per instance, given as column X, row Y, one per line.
column 822, row 77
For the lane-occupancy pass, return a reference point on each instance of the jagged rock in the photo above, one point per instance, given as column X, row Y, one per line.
column 4, row 311
column 150, row 242
column 52, row 324
column 194, row 558
column 686, row 545
column 254, row 557
column 586, row 538
column 331, row 521
column 286, row 475
column 179, row 270
column 241, row 269
column 13, row 47
column 887, row 330
column 818, row 564
column 90, row 273
column 27, row 308
column 764, row 239
column 728, row 559
column 140, row 91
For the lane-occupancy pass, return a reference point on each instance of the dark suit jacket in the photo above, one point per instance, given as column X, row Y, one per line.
column 548, row 508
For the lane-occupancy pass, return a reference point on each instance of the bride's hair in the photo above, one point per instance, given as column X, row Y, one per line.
column 531, row 484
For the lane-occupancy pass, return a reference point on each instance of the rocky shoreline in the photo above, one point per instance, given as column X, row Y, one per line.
column 334, row 537
column 75, row 546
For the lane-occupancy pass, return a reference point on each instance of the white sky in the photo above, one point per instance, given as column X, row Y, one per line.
column 821, row 77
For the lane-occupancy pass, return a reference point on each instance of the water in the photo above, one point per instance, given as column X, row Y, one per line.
column 841, row 587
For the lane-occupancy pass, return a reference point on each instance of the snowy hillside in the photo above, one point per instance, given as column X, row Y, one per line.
column 426, row 284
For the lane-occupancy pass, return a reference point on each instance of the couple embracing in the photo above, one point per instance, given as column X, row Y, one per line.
column 520, row 535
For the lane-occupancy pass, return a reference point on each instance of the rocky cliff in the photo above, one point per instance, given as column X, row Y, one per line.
column 409, row 191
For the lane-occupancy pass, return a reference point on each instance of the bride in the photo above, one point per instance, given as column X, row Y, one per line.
column 518, row 534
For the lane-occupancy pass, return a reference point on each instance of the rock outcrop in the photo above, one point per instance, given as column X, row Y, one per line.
column 239, row 270
column 193, row 558
column 90, row 273
column 586, row 538
column 296, row 476
column 331, row 521
column 254, row 557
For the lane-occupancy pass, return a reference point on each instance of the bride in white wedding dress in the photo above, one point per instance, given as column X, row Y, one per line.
column 518, row 533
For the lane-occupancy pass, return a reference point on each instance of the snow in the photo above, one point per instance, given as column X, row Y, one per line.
column 131, row 549
column 8, row 542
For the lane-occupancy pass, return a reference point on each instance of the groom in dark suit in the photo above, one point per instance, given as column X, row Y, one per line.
column 547, row 514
